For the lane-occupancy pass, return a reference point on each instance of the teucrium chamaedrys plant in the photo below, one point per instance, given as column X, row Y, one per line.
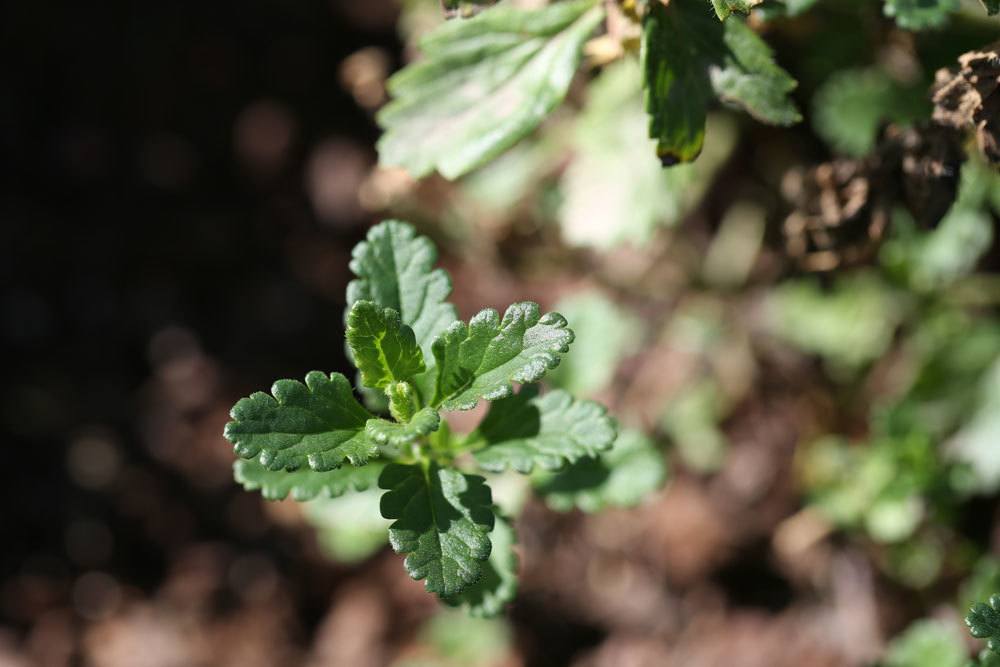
column 316, row 439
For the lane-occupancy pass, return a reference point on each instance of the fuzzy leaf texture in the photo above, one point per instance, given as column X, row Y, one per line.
column 920, row 14
column 526, row 429
column 498, row 584
column 481, row 359
column 305, row 484
column 620, row 477
column 984, row 622
column 442, row 520
column 386, row 432
column 688, row 59
column 319, row 423
column 384, row 349
column 395, row 269
column 483, row 84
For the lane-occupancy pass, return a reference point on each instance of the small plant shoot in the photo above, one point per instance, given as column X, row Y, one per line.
column 315, row 439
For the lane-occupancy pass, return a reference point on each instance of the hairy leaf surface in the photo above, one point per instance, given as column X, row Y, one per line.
column 498, row 584
column 384, row 432
column 526, row 429
column 384, row 349
column 304, row 483
column 984, row 622
column 320, row 423
column 442, row 520
column 483, row 84
column 482, row 358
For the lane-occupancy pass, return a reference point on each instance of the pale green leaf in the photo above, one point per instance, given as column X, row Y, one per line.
column 386, row 432
column 920, row 14
column 723, row 8
column 304, row 483
column 689, row 58
column 483, row 84
column 481, row 360
column 349, row 528
column 927, row 643
column 320, row 423
column 614, row 189
column 498, row 584
column 441, row 520
column 621, row 477
column 526, row 429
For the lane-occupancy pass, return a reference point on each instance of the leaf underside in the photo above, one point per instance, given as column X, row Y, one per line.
column 319, row 423
column 550, row 431
column 305, row 484
column 688, row 59
column 481, row 360
column 442, row 520
column 483, row 84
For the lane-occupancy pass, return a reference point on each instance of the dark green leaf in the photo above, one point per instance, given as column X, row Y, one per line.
column 551, row 430
column 689, row 58
column 991, row 6
column 385, row 432
column 442, row 520
column 305, row 484
column 984, row 622
column 481, row 359
column 483, row 84
column 384, row 349
column 498, row 584
column 920, row 14
column 620, row 477
column 319, row 423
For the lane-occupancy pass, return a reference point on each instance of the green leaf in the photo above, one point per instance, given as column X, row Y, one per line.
column 927, row 643
column 442, row 520
column 620, row 477
column 481, row 359
column 723, row 8
column 384, row 349
column 484, row 84
column 851, row 105
column 992, row 7
column 984, row 622
column 403, row 401
column 615, row 190
column 385, row 432
column 305, row 484
column 395, row 269
column 689, row 58
column 551, row 430
column 498, row 584
column 920, row 14
column 319, row 423
column 349, row 529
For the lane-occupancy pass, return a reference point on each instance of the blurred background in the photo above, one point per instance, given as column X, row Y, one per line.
column 180, row 188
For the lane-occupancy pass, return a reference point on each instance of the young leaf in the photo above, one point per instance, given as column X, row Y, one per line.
column 483, row 85
column 920, row 14
column 403, row 401
column 620, row 477
column 688, row 58
column 384, row 349
column 319, row 423
column 385, row 432
column 395, row 269
column 551, row 430
column 498, row 584
column 481, row 359
column 723, row 8
column 305, row 484
column 984, row 622
column 442, row 520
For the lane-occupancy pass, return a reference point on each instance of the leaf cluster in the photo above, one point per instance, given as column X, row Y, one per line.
column 316, row 440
